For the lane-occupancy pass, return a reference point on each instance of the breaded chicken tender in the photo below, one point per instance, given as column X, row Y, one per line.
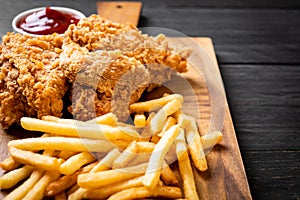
column 104, row 66
column 117, row 62
column 32, row 81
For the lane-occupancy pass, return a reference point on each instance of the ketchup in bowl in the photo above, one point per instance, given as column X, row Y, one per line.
column 47, row 21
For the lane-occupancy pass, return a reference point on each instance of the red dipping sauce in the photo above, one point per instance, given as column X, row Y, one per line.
column 47, row 21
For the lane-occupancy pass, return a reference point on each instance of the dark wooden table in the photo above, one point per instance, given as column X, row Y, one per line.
column 258, row 49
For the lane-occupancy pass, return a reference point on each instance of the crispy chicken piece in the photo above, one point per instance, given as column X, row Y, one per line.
column 104, row 77
column 32, row 81
column 112, row 64
column 12, row 105
column 108, row 64
column 97, row 33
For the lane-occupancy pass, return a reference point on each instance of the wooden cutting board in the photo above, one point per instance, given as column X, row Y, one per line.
column 226, row 177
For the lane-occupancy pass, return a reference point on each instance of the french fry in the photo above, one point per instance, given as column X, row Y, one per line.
column 37, row 191
column 140, row 120
column 11, row 178
column 108, row 119
column 195, row 144
column 67, row 181
column 49, row 152
column 63, row 144
column 93, row 131
column 121, row 144
column 60, row 196
column 146, row 133
column 103, row 178
column 168, row 176
column 148, row 106
column 150, row 116
column 155, row 108
column 139, row 159
column 76, row 162
column 158, row 121
column 107, row 162
column 33, row 191
column 77, row 194
column 145, row 147
column 169, row 122
column 66, row 154
column 122, row 124
column 178, row 115
column 73, row 189
column 9, row 164
column 103, row 165
column 119, row 132
column 185, row 168
column 153, row 172
column 126, row 156
column 51, row 118
column 23, row 189
column 188, row 178
column 155, row 139
column 144, row 192
column 180, row 143
column 171, row 157
column 209, row 140
column 61, row 184
column 144, row 152
column 34, row 159
column 20, row 192
column 134, row 173
column 60, row 120
column 105, row 192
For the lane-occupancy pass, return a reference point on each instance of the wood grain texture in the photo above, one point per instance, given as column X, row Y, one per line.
column 257, row 45
column 263, row 109
column 226, row 177
column 265, row 101
column 254, row 36
column 120, row 11
column 274, row 174
column 223, row 4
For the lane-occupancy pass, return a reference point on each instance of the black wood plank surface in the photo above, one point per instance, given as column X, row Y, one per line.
column 273, row 174
column 258, row 47
column 240, row 35
column 265, row 101
column 288, row 4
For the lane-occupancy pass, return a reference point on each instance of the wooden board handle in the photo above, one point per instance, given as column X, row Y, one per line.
column 120, row 11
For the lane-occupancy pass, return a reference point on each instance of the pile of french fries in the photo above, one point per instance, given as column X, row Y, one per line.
column 106, row 159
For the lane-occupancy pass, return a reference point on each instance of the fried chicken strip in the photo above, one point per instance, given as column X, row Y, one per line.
column 32, row 81
column 117, row 62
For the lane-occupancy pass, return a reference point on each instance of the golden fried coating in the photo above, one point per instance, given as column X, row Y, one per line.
column 104, row 56
column 108, row 65
column 31, row 77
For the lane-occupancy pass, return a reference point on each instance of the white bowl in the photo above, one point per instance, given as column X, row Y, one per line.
column 21, row 15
